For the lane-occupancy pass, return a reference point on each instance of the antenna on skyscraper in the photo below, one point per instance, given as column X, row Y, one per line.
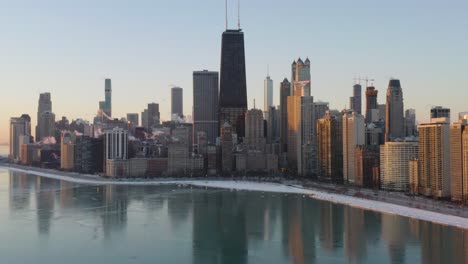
column 268, row 69
column 238, row 14
column 226, row 14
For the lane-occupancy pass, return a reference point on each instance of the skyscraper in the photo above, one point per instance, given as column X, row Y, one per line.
column 233, row 85
column 285, row 91
column 19, row 127
column 205, row 104
column 459, row 160
column 434, row 158
column 177, row 108
column 439, row 111
column 330, row 147
column 45, row 105
column 394, row 119
column 355, row 101
column 410, row 122
column 254, row 130
column 301, row 73
column 46, row 125
column 268, row 94
column 371, row 105
column 353, row 136
column 394, row 164
column 226, row 149
column 106, row 105
column 151, row 116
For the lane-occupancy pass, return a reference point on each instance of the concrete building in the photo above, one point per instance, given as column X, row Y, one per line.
column 273, row 125
column 394, row 120
column 353, row 136
column 205, row 104
column 459, row 161
column 211, row 157
column 44, row 105
column 355, row 101
column 410, row 123
column 67, row 151
column 117, row 144
column 177, row 102
column 267, row 94
column 371, row 104
column 413, row 176
column 226, row 149
column 89, row 154
column 151, row 117
column 19, row 127
column 434, row 158
column 367, row 165
column 394, row 165
column 439, row 111
column 330, row 148
column 285, row 91
column 178, row 159
column 254, row 130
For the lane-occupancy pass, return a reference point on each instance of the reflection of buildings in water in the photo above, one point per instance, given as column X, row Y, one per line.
column 261, row 215
column 460, row 245
column 395, row 232
column 331, row 226
column 219, row 228
column 354, row 238
column 178, row 208
column 20, row 189
column 438, row 244
column 66, row 194
column 114, row 215
column 45, row 203
column 299, row 216
column 372, row 226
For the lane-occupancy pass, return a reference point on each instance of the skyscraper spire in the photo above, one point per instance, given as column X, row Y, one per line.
column 238, row 14
column 226, row 7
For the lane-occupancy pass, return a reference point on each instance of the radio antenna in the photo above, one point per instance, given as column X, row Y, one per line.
column 226, row 7
column 238, row 14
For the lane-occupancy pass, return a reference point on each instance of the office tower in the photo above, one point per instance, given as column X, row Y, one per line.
column 132, row 119
column 320, row 109
column 273, row 125
column 233, row 85
column 67, row 150
column 106, row 105
column 301, row 73
column 434, row 158
column 367, row 165
column 285, row 91
column 19, row 127
column 202, row 142
column 330, row 147
column 355, row 101
column 205, row 104
column 45, row 105
column 394, row 120
column 439, row 111
column 177, row 108
column 267, row 94
column 117, row 144
column 372, row 108
column 150, row 117
column 353, row 136
column 226, row 149
column 382, row 111
column 254, row 130
column 394, row 165
column 374, row 134
column 178, row 158
column 459, row 160
column 410, row 123
column 46, row 125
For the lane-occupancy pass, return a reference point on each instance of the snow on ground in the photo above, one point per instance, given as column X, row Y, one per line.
column 277, row 188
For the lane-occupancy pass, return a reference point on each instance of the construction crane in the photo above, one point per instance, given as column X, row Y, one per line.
column 359, row 79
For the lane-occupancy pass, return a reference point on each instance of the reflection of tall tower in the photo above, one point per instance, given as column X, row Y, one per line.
column 233, row 85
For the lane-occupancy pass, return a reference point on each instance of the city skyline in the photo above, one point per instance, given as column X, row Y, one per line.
column 74, row 71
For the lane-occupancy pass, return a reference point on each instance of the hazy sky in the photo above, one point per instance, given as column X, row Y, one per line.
column 69, row 47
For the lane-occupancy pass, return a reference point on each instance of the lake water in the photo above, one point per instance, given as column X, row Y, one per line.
column 51, row 221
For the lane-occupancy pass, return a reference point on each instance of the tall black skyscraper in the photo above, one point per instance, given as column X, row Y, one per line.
column 233, row 85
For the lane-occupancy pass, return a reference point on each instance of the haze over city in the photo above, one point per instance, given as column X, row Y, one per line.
column 68, row 48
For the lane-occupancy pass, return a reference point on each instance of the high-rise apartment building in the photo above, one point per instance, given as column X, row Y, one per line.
column 285, row 91
column 394, row 120
column 227, row 145
column 434, row 158
column 254, row 130
column 67, row 150
column 459, row 160
column 353, row 136
column 205, row 104
column 355, row 101
column 394, row 165
column 330, row 147
column 106, row 105
column 372, row 107
column 19, row 127
column 267, row 94
column 233, row 85
column 45, row 105
column 117, row 144
column 439, row 111
column 177, row 103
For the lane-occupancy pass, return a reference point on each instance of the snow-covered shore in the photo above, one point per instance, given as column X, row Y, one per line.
column 266, row 187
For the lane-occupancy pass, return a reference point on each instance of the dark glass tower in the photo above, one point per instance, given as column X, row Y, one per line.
column 233, row 85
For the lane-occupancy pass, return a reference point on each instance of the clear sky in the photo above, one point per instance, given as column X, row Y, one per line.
column 69, row 47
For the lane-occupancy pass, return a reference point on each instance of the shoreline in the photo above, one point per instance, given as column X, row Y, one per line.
column 323, row 195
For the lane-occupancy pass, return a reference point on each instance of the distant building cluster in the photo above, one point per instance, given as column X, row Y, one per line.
column 380, row 146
